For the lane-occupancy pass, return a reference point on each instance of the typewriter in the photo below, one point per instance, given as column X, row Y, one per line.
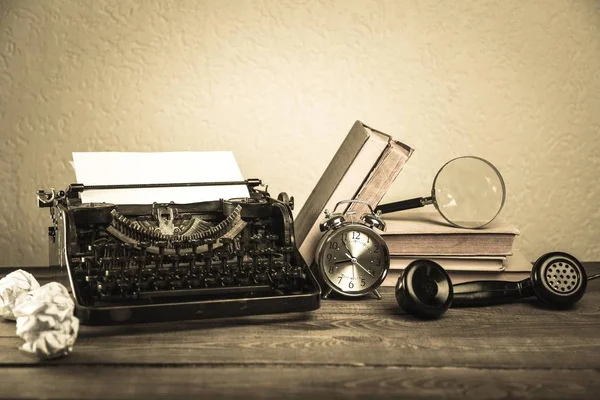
column 130, row 263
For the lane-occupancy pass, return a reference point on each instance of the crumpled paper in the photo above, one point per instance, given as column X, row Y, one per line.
column 45, row 321
column 13, row 287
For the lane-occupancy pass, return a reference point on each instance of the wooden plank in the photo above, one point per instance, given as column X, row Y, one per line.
column 346, row 332
column 277, row 382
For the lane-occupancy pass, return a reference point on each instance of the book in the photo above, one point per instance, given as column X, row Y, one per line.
column 514, row 268
column 427, row 233
column 381, row 177
column 465, row 276
column 490, row 264
column 354, row 171
column 514, row 263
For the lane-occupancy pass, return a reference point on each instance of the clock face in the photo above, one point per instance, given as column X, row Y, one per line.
column 354, row 260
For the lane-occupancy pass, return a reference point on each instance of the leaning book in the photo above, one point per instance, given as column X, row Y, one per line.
column 363, row 168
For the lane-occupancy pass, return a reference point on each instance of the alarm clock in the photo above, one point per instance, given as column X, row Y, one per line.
column 351, row 258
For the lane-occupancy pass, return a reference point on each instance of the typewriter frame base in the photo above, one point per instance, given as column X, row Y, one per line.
column 201, row 309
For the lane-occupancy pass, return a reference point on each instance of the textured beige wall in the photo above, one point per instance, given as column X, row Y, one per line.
column 281, row 82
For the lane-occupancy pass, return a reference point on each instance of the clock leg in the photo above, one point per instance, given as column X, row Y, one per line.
column 376, row 293
column 327, row 293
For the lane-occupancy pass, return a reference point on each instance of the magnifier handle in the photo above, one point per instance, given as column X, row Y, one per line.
column 404, row 205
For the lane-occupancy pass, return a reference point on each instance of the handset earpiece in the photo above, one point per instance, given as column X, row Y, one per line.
column 424, row 289
column 557, row 278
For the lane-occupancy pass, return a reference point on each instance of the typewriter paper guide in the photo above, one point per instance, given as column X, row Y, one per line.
column 115, row 168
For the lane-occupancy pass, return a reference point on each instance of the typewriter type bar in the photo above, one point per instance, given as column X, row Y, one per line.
column 161, row 262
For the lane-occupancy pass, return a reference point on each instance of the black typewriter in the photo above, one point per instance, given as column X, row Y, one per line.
column 163, row 262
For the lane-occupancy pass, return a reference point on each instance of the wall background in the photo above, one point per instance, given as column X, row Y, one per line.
column 281, row 82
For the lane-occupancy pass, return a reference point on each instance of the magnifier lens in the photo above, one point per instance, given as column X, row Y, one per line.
column 469, row 192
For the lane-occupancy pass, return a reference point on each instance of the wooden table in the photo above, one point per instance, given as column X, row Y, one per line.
column 347, row 349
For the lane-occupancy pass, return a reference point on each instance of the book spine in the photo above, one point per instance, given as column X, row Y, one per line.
column 382, row 176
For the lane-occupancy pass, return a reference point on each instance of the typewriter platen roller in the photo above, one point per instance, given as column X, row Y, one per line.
column 159, row 262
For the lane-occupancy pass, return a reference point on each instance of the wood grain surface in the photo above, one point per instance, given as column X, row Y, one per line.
column 358, row 348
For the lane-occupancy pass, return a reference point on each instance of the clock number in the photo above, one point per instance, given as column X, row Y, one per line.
column 331, row 269
column 334, row 245
column 329, row 257
column 362, row 282
column 377, row 262
column 376, row 249
column 340, row 281
column 368, row 239
column 355, row 235
column 351, row 285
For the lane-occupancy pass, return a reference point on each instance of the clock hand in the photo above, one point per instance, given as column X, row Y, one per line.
column 366, row 270
column 349, row 254
column 357, row 263
column 342, row 261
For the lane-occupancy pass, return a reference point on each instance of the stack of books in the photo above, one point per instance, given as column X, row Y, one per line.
column 466, row 254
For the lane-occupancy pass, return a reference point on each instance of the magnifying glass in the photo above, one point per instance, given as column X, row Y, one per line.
column 468, row 191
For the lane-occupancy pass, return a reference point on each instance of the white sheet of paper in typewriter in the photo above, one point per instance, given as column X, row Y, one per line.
column 118, row 168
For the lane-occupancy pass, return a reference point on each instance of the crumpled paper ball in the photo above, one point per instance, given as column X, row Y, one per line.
column 13, row 287
column 45, row 321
